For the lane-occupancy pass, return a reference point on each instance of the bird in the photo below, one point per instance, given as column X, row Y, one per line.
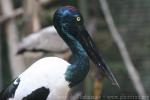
column 37, row 42
column 51, row 78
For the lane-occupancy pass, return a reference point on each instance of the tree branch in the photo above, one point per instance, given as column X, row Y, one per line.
column 1, row 74
column 16, row 62
column 133, row 73
column 20, row 11
column 16, row 13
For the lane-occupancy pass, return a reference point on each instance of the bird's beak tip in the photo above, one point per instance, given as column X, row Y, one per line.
column 116, row 84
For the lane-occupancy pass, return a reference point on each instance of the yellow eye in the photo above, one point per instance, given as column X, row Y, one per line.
column 78, row 19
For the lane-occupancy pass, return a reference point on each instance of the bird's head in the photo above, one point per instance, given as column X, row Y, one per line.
column 68, row 20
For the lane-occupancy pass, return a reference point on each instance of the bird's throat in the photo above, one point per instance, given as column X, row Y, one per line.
column 79, row 67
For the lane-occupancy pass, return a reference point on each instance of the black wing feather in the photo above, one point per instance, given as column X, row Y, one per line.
column 39, row 94
column 9, row 92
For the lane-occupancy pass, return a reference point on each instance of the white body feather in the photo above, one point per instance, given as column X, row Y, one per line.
column 47, row 72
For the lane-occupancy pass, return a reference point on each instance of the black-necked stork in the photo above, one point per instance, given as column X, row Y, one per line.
column 51, row 78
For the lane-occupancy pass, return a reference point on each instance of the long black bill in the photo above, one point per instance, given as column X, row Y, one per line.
column 95, row 56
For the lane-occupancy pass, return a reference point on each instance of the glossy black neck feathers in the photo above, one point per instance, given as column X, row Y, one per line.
column 66, row 27
column 79, row 62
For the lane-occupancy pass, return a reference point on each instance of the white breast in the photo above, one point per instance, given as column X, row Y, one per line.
column 47, row 72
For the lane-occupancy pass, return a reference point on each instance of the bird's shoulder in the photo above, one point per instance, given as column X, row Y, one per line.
column 46, row 67
column 51, row 60
column 50, row 64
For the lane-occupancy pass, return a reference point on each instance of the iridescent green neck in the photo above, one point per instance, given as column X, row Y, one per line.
column 79, row 67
